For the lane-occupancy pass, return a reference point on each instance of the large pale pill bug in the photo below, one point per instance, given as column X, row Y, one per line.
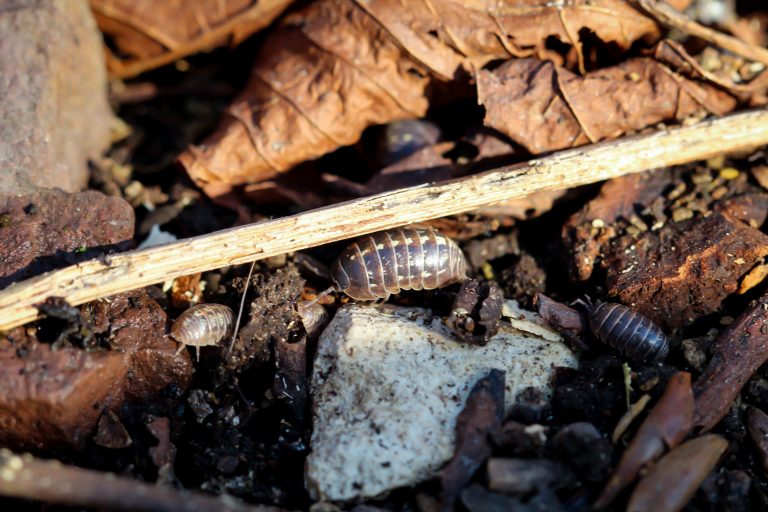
column 385, row 263
column 625, row 330
column 203, row 325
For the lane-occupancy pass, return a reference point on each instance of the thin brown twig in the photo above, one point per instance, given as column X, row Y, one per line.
column 670, row 17
column 49, row 481
column 103, row 277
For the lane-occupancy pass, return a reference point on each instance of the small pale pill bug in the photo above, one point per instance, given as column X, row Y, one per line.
column 313, row 316
column 203, row 325
column 381, row 264
column 631, row 333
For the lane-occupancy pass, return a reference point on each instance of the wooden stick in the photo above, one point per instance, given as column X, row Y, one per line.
column 670, row 17
column 49, row 481
column 103, row 277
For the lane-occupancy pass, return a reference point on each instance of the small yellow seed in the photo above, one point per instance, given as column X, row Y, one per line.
column 729, row 173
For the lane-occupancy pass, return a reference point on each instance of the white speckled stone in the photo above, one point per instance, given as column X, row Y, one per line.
column 388, row 384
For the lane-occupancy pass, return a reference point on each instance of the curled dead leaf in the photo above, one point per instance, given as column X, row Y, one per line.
column 545, row 107
column 337, row 66
column 149, row 34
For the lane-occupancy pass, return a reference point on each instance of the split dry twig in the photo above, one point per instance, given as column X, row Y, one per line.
column 52, row 482
column 669, row 16
column 107, row 276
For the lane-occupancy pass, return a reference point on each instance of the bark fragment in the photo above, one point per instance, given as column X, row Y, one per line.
column 686, row 269
column 737, row 354
column 665, row 427
column 481, row 415
column 671, row 483
column 566, row 320
column 476, row 311
column 524, row 476
column 52, row 398
column 51, row 228
column 589, row 230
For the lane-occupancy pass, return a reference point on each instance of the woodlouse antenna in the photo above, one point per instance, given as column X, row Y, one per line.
column 321, row 295
column 584, row 301
column 242, row 305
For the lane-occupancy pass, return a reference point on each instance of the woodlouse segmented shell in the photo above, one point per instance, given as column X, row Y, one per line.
column 313, row 316
column 202, row 325
column 381, row 264
column 631, row 333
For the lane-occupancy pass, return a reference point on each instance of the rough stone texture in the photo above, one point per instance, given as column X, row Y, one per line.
column 51, row 228
column 388, row 386
column 54, row 397
column 685, row 270
column 54, row 113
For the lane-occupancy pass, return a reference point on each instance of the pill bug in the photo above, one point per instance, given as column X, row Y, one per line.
column 313, row 316
column 203, row 325
column 384, row 263
column 625, row 330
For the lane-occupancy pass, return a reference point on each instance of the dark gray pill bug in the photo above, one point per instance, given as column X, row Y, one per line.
column 625, row 330
column 385, row 263
column 203, row 325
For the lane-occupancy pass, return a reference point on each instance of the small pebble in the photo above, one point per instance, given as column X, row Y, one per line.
column 682, row 214
column 719, row 192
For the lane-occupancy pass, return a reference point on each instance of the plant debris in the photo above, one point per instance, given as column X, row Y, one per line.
column 274, row 124
column 666, row 426
column 521, row 102
column 148, row 35
column 54, row 395
column 476, row 311
column 481, row 415
column 739, row 351
column 671, row 483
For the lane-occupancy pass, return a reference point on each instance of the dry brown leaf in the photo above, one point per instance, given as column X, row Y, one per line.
column 544, row 107
column 337, row 67
column 149, row 34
